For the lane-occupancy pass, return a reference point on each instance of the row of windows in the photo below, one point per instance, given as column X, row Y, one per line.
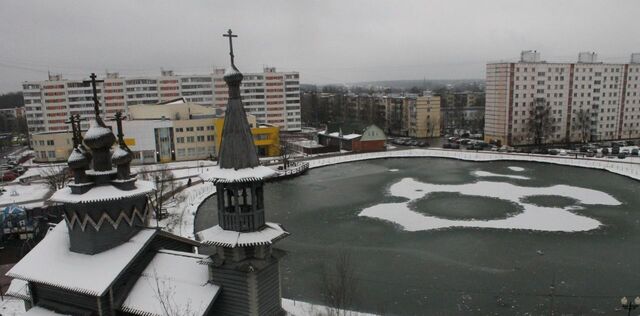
column 190, row 129
column 192, row 139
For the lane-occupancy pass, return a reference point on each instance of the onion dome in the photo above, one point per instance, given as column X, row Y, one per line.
column 78, row 159
column 121, row 156
column 233, row 76
column 99, row 136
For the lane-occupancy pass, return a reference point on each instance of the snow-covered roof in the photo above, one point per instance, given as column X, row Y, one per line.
column 337, row 135
column 18, row 289
column 231, row 71
column 102, row 193
column 218, row 174
column 76, row 155
column 180, row 277
column 216, row 236
column 96, row 131
column 351, row 136
column 119, row 153
column 52, row 263
column 39, row 311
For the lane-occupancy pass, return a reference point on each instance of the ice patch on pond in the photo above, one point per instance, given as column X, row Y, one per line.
column 532, row 217
column 513, row 168
column 479, row 173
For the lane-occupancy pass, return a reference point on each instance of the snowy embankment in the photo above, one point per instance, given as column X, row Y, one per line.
column 629, row 169
column 182, row 209
column 298, row 308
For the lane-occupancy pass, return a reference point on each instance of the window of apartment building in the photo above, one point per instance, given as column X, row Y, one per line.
column 200, row 138
column 180, row 152
column 180, row 140
column 50, row 142
column 210, row 127
column 190, row 139
column 51, row 154
column 200, row 128
column 189, row 129
column 179, row 130
column 191, row 151
column 209, row 137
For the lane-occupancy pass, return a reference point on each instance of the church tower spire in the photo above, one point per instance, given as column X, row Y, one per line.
column 242, row 257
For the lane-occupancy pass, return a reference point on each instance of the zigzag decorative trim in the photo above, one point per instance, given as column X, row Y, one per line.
column 75, row 219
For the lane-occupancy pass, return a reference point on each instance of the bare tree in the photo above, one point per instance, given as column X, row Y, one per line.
column 285, row 150
column 56, row 176
column 540, row 124
column 164, row 292
column 163, row 179
column 583, row 124
column 339, row 284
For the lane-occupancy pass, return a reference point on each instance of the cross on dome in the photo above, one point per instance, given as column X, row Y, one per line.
column 230, row 36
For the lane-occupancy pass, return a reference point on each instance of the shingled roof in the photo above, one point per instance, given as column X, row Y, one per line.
column 237, row 150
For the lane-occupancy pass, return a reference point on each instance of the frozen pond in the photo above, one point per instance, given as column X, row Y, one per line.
column 439, row 236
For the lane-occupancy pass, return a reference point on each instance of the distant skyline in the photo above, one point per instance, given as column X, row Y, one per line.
column 326, row 41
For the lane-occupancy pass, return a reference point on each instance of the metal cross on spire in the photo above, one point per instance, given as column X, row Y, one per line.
column 230, row 36
column 96, row 103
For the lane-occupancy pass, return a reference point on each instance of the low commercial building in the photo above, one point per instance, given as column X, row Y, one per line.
column 265, row 137
column 372, row 138
column 172, row 131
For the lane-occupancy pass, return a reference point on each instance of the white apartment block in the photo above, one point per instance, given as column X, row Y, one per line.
column 607, row 93
column 273, row 97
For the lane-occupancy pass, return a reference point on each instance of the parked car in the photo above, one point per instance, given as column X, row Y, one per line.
column 455, row 146
column 630, row 143
column 590, row 154
column 448, row 145
column 604, row 151
column 423, row 144
column 622, row 156
column 615, row 150
column 553, row 152
column 634, row 152
column 8, row 177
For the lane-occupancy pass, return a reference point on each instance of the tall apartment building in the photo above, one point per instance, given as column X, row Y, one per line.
column 604, row 96
column 274, row 97
column 424, row 117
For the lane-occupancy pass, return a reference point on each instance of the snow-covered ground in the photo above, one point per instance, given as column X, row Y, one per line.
column 182, row 209
column 298, row 308
column 627, row 168
column 15, row 307
column 11, row 307
column 21, row 193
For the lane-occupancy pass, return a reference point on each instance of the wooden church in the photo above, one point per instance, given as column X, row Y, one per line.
column 106, row 260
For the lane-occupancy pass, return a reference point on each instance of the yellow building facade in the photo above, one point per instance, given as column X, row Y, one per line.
column 265, row 137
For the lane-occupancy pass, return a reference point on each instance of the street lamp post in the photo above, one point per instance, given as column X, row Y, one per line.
column 628, row 305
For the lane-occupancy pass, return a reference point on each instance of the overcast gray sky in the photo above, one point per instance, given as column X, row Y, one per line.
column 338, row 41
